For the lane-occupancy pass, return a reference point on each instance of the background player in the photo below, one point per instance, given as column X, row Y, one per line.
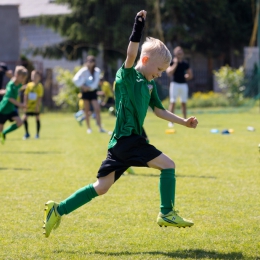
column 8, row 110
column 33, row 99
column 180, row 72
column 4, row 71
column 87, row 78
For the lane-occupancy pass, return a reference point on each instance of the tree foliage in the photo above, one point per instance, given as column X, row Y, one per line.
column 210, row 27
column 68, row 93
column 231, row 82
column 92, row 25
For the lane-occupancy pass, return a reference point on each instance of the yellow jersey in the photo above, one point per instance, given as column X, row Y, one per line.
column 33, row 92
column 108, row 93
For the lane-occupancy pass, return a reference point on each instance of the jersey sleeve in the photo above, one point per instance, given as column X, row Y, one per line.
column 8, row 91
column 27, row 89
column 155, row 100
column 127, row 77
column 79, row 79
column 127, row 71
column 40, row 90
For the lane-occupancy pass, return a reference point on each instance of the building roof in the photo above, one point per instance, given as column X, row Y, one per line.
column 34, row 8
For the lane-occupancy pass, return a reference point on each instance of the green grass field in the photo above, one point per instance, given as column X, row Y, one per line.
column 218, row 180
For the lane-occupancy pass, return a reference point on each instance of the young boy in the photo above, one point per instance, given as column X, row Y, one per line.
column 106, row 94
column 32, row 99
column 135, row 91
column 7, row 105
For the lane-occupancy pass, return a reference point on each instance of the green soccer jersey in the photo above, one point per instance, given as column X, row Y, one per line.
column 12, row 90
column 133, row 95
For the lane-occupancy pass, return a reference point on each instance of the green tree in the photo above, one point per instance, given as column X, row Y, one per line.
column 210, row 27
column 214, row 28
column 92, row 26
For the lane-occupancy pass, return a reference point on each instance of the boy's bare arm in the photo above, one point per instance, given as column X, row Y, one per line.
column 170, row 70
column 38, row 104
column 189, row 74
column 132, row 51
column 15, row 102
column 190, row 122
column 9, row 74
column 25, row 99
column 135, row 37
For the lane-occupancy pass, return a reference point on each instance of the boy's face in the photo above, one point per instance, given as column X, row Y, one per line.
column 153, row 67
column 20, row 79
column 36, row 78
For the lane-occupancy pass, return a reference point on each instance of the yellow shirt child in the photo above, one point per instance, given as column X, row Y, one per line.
column 33, row 92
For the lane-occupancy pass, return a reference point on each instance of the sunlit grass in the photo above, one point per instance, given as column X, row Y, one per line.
column 218, row 179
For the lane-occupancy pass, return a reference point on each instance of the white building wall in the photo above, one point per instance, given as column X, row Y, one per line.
column 33, row 36
column 251, row 58
column 9, row 33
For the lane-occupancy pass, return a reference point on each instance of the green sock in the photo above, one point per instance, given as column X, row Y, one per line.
column 10, row 129
column 77, row 199
column 167, row 190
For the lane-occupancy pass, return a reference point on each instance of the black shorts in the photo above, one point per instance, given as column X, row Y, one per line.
column 32, row 113
column 89, row 95
column 110, row 101
column 5, row 117
column 129, row 151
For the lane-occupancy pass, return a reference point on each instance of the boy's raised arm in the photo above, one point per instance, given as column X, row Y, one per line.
column 135, row 38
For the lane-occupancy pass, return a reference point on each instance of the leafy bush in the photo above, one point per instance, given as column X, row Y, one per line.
column 200, row 100
column 231, row 82
column 210, row 99
column 68, row 92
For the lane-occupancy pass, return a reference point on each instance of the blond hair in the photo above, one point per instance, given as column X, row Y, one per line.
column 154, row 47
column 20, row 70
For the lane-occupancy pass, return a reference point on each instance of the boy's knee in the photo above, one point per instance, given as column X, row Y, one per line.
column 169, row 164
column 101, row 190
column 19, row 123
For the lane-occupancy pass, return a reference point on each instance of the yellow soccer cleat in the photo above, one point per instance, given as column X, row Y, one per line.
column 52, row 218
column 2, row 138
column 130, row 170
column 173, row 219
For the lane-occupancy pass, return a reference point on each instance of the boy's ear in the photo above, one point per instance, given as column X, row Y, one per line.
column 145, row 59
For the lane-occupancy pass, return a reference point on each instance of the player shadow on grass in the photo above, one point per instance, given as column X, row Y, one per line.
column 181, row 254
column 178, row 176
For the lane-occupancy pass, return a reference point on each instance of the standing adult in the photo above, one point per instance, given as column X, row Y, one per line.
column 180, row 72
column 4, row 71
column 87, row 78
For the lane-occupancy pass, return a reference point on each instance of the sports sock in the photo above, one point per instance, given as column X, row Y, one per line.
column 25, row 122
column 38, row 126
column 10, row 129
column 77, row 199
column 167, row 190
